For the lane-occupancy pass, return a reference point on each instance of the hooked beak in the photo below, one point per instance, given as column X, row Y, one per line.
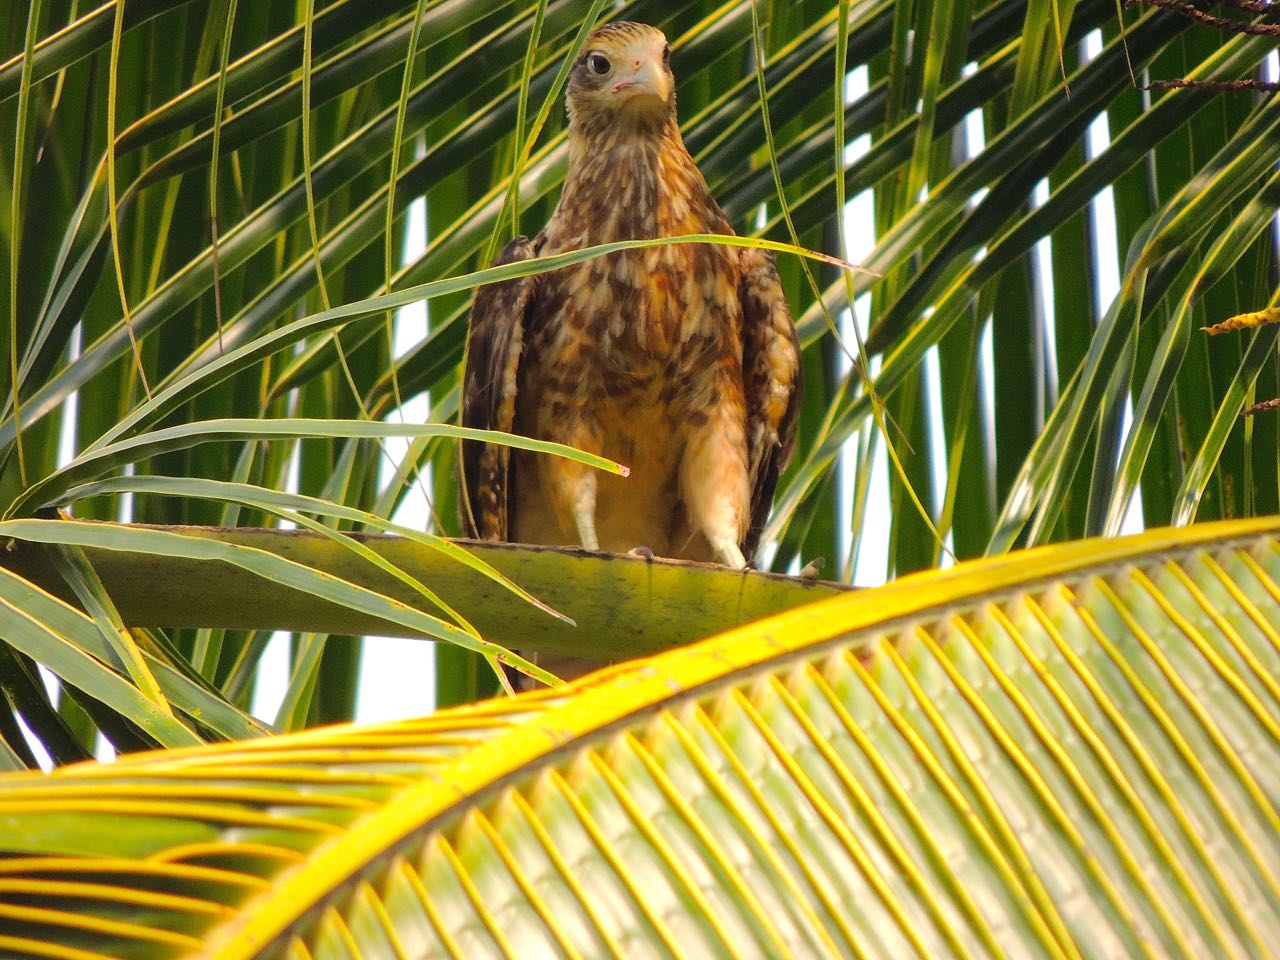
column 647, row 79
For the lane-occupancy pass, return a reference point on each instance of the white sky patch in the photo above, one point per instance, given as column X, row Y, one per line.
column 1042, row 273
column 125, row 513
column 275, row 666
column 70, row 407
column 1106, row 265
column 103, row 751
column 271, row 679
column 975, row 133
column 43, row 760
column 937, row 439
column 1103, row 219
column 987, row 390
column 397, row 674
column 869, row 567
column 1271, row 73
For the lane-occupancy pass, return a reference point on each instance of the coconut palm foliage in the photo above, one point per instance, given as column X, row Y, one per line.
column 208, row 197
column 1068, row 752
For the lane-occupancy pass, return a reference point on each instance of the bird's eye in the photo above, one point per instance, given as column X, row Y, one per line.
column 599, row 64
column 666, row 53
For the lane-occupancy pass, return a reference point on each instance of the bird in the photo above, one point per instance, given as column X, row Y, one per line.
column 680, row 361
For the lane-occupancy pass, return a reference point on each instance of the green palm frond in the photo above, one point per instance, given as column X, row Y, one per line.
column 1065, row 752
column 317, row 580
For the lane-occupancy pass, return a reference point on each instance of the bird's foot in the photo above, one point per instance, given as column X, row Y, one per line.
column 640, row 551
column 729, row 553
column 813, row 569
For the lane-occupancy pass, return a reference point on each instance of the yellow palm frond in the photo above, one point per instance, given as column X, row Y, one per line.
column 1066, row 752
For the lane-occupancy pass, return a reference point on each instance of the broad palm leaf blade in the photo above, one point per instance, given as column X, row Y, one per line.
column 1066, row 752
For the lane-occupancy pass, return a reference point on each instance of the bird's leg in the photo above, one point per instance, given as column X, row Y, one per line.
column 713, row 480
column 583, row 505
column 729, row 552
column 573, row 488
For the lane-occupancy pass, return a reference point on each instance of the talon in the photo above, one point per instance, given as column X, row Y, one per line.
column 813, row 569
column 728, row 553
column 641, row 551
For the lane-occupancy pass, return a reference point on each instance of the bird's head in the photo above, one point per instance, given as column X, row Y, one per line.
column 622, row 77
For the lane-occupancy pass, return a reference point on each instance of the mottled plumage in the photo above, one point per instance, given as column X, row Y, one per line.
column 680, row 361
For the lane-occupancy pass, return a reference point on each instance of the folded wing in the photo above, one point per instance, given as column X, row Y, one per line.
column 490, row 382
column 771, row 375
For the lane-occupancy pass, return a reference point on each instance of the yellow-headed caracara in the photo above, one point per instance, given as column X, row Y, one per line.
column 680, row 361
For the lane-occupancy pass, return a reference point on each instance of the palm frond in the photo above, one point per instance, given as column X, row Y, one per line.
column 1063, row 752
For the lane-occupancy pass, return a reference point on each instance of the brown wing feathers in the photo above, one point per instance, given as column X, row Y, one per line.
column 489, row 395
column 771, row 376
